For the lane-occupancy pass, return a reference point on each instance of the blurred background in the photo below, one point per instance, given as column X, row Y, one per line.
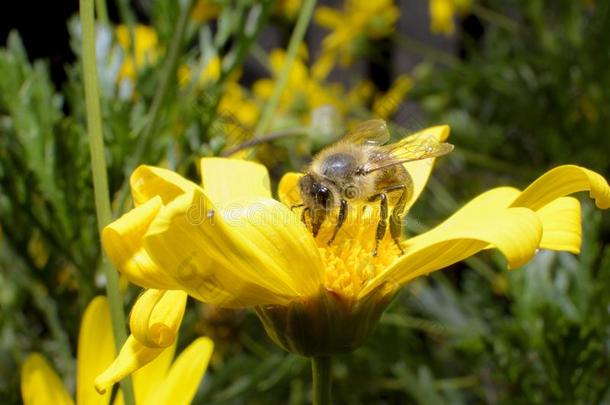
column 522, row 83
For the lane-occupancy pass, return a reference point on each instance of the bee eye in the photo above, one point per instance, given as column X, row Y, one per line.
column 322, row 196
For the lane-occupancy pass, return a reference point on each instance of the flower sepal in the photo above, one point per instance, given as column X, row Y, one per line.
column 326, row 324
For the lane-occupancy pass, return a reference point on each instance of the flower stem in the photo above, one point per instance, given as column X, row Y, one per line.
column 320, row 371
column 101, row 11
column 100, row 180
column 291, row 53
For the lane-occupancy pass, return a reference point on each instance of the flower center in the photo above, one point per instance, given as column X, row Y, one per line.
column 349, row 260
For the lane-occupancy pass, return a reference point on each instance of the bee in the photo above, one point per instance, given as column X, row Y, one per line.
column 361, row 168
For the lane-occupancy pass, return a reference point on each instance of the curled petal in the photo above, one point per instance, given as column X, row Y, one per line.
column 228, row 180
column 156, row 317
column 40, row 384
column 561, row 220
column 133, row 355
column 562, row 181
column 288, row 189
column 95, row 351
column 516, row 232
column 250, row 253
column 147, row 182
column 180, row 384
column 122, row 241
column 420, row 170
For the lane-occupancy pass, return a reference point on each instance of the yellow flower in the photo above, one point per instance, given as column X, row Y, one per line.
column 205, row 10
column 159, row 382
column 304, row 91
column 359, row 20
column 146, row 49
column 229, row 243
column 442, row 13
column 288, row 9
column 209, row 74
column 386, row 104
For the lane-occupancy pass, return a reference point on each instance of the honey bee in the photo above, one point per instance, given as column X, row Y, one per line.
column 361, row 168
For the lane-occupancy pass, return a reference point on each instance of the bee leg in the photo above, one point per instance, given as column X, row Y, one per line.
column 304, row 213
column 396, row 217
column 383, row 216
column 317, row 219
column 292, row 207
column 340, row 221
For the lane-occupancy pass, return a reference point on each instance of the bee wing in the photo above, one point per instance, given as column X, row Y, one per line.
column 372, row 132
column 407, row 150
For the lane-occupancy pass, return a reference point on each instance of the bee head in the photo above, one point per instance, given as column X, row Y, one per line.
column 315, row 193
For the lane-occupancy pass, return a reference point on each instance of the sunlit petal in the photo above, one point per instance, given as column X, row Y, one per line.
column 251, row 253
column 156, row 317
column 147, row 379
column 122, row 241
column 133, row 355
column 516, row 232
column 40, row 385
column 562, row 181
column 420, row 170
column 561, row 220
column 95, row 351
column 288, row 189
column 228, row 180
column 180, row 384
column 147, row 182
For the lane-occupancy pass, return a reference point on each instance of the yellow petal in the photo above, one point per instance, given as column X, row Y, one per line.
column 147, row 379
column 95, row 351
column 156, row 317
column 420, row 170
column 181, row 383
column 516, row 232
column 147, row 182
column 228, row 180
column 40, row 385
column 561, row 220
column 288, row 189
column 328, row 17
column 562, row 181
column 252, row 253
column 122, row 241
column 133, row 355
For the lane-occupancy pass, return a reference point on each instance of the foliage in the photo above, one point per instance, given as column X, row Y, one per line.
column 528, row 91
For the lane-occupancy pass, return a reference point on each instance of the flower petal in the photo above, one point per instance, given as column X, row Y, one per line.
column 148, row 378
column 562, row 181
column 516, row 232
column 40, row 385
column 95, row 351
column 122, row 241
column 228, row 180
column 181, row 383
column 288, row 189
column 253, row 252
column 561, row 220
column 133, row 355
column 328, row 17
column 156, row 317
column 147, row 182
column 420, row 169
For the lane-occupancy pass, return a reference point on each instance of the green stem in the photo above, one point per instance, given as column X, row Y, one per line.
column 100, row 180
column 102, row 11
column 293, row 46
column 168, row 76
column 495, row 18
column 320, row 371
column 429, row 52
